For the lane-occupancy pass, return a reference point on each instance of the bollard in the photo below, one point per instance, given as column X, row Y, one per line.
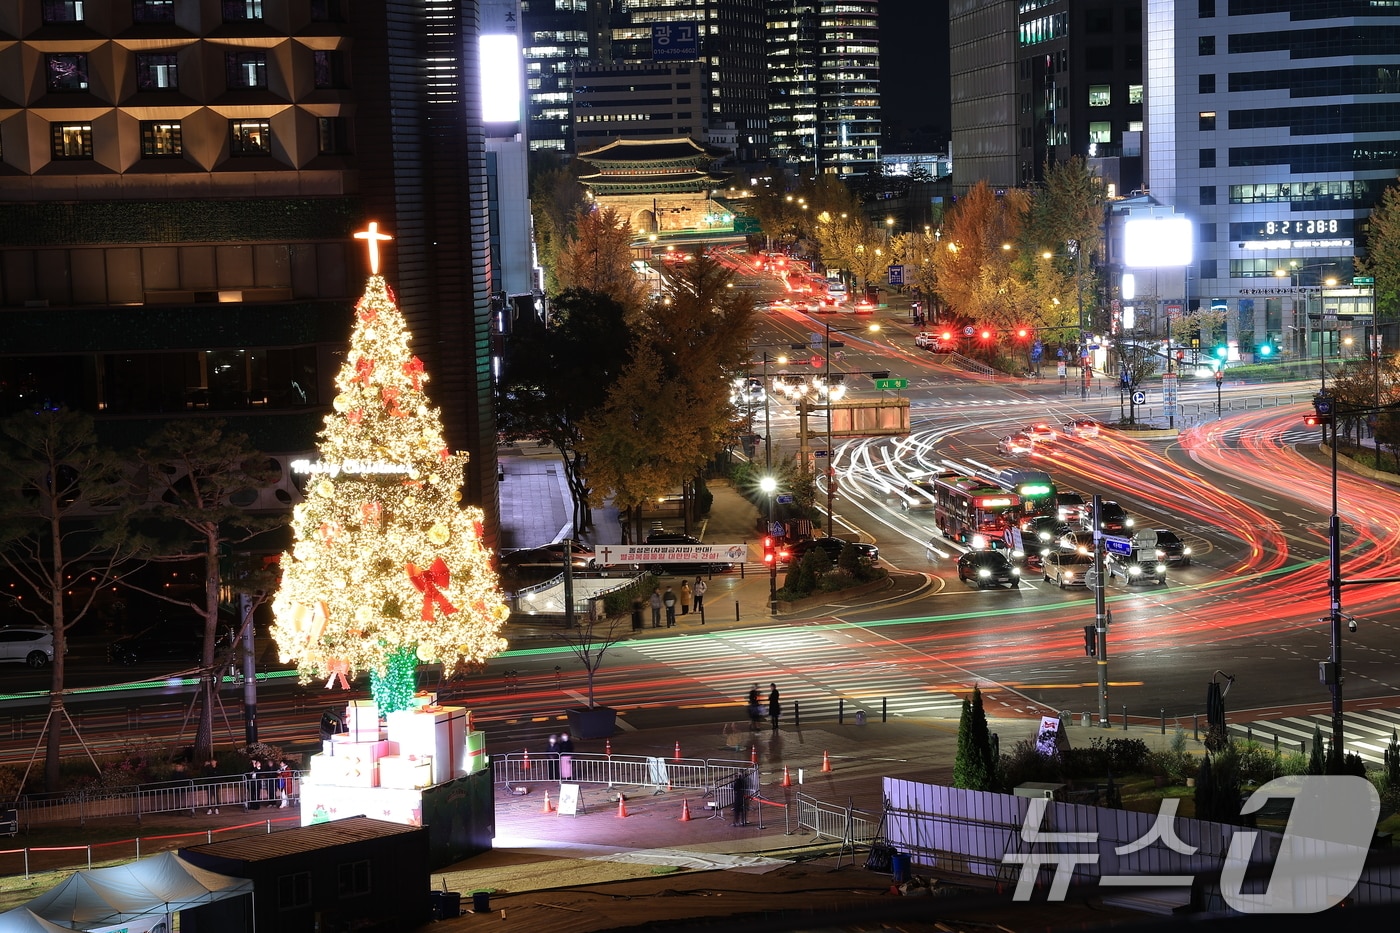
column 1275, row 743
column 1303, row 746
column 884, row 709
column 1084, row 719
column 736, row 610
column 702, row 615
column 1196, row 727
column 1249, row 732
column 796, row 717
column 841, row 711
column 1164, row 720
column 1125, row 717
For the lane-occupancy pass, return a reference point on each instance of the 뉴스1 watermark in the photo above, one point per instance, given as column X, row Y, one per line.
column 1320, row 858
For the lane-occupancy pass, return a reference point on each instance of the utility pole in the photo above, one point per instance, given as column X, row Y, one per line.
column 1101, row 617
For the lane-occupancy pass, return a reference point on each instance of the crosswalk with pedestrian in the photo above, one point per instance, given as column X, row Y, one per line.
column 812, row 668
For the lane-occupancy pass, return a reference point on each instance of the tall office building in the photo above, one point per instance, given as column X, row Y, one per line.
column 726, row 38
column 824, row 84
column 179, row 186
column 1041, row 81
column 559, row 35
column 1273, row 127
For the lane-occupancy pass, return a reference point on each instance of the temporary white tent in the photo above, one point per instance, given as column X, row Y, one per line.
column 22, row 920
column 162, row 884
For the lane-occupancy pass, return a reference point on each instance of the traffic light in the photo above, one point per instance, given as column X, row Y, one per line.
column 946, row 336
column 1221, row 351
column 986, row 335
column 1322, row 408
column 1219, row 377
column 1266, row 349
column 1091, row 641
column 770, row 554
column 1023, row 333
column 1310, row 421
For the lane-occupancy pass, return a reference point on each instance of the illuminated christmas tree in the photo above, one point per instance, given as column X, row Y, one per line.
column 387, row 568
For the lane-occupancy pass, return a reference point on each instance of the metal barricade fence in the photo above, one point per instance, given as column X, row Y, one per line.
column 143, row 799
column 832, row 822
column 627, row 770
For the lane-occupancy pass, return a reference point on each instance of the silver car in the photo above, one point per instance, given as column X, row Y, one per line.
column 32, row 644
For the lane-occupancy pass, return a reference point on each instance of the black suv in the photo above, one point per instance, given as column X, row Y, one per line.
column 988, row 568
column 1171, row 549
column 1113, row 519
column 671, row 537
column 833, row 548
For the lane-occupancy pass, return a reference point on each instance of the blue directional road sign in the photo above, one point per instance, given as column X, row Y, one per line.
column 1114, row 544
column 896, row 275
column 1139, row 398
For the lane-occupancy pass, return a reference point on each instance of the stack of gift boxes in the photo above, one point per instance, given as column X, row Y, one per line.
column 423, row 745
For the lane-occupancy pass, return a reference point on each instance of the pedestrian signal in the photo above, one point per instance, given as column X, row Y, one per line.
column 1091, row 641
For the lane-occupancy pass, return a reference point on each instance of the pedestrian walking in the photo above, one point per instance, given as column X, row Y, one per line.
column 656, row 609
column 668, row 599
column 753, row 707
column 284, row 783
column 741, row 799
column 774, row 706
column 699, row 590
column 685, row 597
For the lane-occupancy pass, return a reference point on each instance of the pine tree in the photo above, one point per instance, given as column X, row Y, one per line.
column 1317, row 758
column 962, row 764
column 387, row 568
column 981, row 744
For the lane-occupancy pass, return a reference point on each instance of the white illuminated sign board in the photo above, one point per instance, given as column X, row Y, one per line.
column 1157, row 242
column 500, row 78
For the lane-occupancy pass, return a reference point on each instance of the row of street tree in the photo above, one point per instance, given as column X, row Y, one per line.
column 73, row 509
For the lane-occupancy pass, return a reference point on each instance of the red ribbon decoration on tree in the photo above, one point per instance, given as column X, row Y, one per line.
column 391, row 401
column 413, row 369
column 338, row 670
column 366, row 311
column 355, row 415
column 428, row 582
column 364, row 366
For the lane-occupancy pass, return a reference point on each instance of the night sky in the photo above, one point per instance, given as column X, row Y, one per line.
column 914, row 74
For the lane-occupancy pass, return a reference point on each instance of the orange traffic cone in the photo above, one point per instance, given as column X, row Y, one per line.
column 678, row 751
column 526, row 765
column 685, row 811
column 753, row 754
column 621, row 806
column 787, row 778
column 826, row 763
column 548, row 807
column 607, row 748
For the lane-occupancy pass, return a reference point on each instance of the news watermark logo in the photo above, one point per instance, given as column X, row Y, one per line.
column 1320, row 857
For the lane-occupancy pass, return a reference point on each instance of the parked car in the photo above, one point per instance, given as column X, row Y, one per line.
column 988, row 568
column 1067, row 568
column 833, row 547
column 159, row 644
column 1014, row 444
column 1082, row 427
column 547, row 557
column 32, row 644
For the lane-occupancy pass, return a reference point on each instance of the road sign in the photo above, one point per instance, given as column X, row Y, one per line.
column 819, row 453
column 1139, row 398
column 968, row 331
column 1363, row 280
column 784, row 499
column 1061, row 369
column 891, row 383
column 1114, row 544
column 896, row 275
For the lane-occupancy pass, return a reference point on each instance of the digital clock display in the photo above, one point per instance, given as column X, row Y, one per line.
column 1290, row 229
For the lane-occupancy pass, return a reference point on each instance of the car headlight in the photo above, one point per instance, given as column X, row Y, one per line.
column 1015, row 571
column 1161, row 553
column 979, row 542
column 1127, row 523
column 1069, row 574
column 1134, row 570
column 1161, row 568
column 1186, row 551
column 983, row 572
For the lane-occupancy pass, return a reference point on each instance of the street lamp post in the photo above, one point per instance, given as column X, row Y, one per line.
column 769, row 485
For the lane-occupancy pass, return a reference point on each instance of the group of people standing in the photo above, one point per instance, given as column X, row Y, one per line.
column 668, row 600
column 775, row 707
column 561, row 762
column 268, row 782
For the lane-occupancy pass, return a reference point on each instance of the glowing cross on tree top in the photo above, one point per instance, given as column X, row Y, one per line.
column 374, row 238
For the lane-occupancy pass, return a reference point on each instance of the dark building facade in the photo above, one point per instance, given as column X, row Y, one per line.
column 179, row 184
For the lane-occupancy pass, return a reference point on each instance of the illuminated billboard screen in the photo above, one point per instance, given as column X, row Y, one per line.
column 1157, row 242
column 500, row 78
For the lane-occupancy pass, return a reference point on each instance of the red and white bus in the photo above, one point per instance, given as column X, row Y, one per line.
column 973, row 511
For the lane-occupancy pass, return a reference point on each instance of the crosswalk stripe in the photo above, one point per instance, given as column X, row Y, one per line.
column 1367, row 734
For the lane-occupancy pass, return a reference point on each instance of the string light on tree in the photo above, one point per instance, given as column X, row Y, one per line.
column 387, row 568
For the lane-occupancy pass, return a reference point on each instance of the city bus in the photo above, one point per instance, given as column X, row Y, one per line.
column 971, row 510
column 1036, row 489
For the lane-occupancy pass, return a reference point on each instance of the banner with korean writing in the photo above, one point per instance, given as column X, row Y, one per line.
column 611, row 554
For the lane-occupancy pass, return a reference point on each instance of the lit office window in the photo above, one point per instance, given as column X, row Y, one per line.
column 61, row 11
column 161, row 140
column 157, row 71
column 251, row 137
column 66, row 71
column 1100, row 95
column 72, row 140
